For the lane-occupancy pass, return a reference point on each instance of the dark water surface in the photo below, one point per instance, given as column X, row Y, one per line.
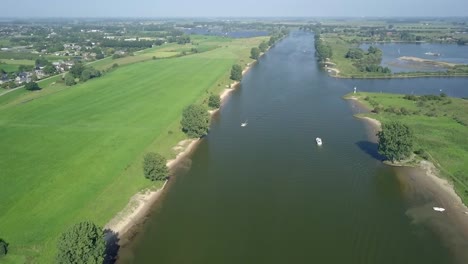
column 266, row 193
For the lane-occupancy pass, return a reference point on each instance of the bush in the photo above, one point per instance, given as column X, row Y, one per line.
column 423, row 154
column 82, row 243
column 154, row 167
column 32, row 86
column 236, row 72
column 395, row 141
column 195, row 121
column 255, row 53
column 214, row 101
column 89, row 73
column 69, row 80
column 3, row 248
column 263, row 46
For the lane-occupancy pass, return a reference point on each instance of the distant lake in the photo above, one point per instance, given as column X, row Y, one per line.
column 392, row 51
column 233, row 34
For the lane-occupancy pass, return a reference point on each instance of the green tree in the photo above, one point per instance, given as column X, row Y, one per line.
column 49, row 69
column 263, row 46
column 69, row 79
column 255, row 53
column 41, row 62
column 195, row 121
column 82, row 243
column 154, row 167
column 3, row 247
column 89, row 73
column 396, row 141
column 355, row 53
column 77, row 69
column 214, row 101
column 32, row 86
column 236, row 72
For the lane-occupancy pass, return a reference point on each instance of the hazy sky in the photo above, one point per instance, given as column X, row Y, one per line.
column 216, row 8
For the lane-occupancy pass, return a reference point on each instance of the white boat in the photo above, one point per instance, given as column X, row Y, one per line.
column 432, row 54
column 319, row 141
column 438, row 209
column 244, row 124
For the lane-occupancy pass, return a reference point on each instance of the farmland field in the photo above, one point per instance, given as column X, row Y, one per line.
column 70, row 154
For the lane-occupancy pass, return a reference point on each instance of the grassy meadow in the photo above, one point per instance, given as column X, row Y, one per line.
column 75, row 153
column 440, row 127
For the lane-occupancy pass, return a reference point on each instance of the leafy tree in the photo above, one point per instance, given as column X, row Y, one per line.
column 236, row 72
column 214, row 101
column 32, row 86
column 3, row 247
column 355, row 53
column 195, row 121
column 49, row 69
column 154, row 167
column 77, row 69
column 395, row 141
column 82, row 243
column 255, row 53
column 99, row 56
column 263, row 46
column 69, row 79
column 41, row 62
column 89, row 73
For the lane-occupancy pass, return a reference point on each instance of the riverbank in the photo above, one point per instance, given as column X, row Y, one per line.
column 344, row 68
column 140, row 204
column 420, row 178
column 444, row 148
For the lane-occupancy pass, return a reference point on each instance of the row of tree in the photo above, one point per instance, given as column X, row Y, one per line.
column 323, row 51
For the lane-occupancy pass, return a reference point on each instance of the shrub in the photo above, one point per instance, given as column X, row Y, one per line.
column 82, row 243
column 214, row 101
column 69, row 79
column 255, row 53
column 3, row 248
column 236, row 72
column 32, row 86
column 395, row 141
column 154, row 167
column 195, row 121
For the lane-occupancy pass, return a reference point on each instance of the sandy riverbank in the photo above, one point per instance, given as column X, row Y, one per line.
column 424, row 188
column 140, row 204
column 425, row 61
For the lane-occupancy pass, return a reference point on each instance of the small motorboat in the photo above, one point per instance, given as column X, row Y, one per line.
column 438, row 209
column 319, row 141
column 244, row 124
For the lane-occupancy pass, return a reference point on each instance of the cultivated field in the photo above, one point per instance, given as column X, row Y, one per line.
column 74, row 153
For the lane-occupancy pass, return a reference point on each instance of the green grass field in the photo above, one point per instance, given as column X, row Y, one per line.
column 441, row 130
column 74, row 153
column 13, row 65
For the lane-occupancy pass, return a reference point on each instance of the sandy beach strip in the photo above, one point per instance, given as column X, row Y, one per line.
column 141, row 203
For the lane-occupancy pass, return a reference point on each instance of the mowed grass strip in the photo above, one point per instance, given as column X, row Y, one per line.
column 75, row 154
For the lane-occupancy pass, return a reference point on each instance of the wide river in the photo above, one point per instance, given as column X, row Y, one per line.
column 266, row 193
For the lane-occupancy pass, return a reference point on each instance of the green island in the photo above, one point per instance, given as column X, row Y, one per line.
column 338, row 46
column 439, row 124
column 99, row 132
